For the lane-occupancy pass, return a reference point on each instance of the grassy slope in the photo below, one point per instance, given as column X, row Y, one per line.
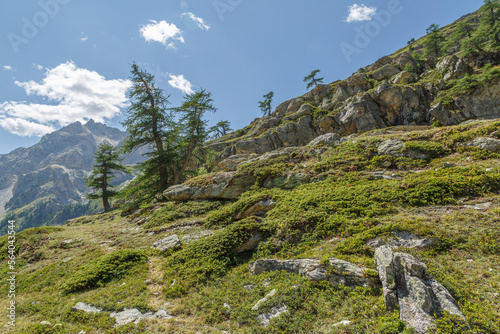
column 334, row 216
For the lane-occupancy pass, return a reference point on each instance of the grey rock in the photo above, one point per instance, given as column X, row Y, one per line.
column 385, row 72
column 46, row 323
column 275, row 312
column 391, row 147
column 404, row 77
column 342, row 323
column 407, row 284
column 128, row 316
column 486, row 143
column 404, row 239
column 250, row 244
column 453, row 67
column 226, row 185
column 328, row 139
column 232, row 163
column 288, row 181
column 405, row 59
column 257, row 209
column 86, row 308
column 342, row 272
column 169, row 242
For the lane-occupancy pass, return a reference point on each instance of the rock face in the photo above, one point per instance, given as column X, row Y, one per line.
column 407, row 285
column 341, row 272
column 52, row 171
column 390, row 92
column 227, row 185
column 328, row 139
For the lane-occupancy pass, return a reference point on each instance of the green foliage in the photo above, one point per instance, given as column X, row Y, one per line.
column 431, row 149
column 172, row 211
column 29, row 239
column 104, row 269
column 107, row 160
column 458, row 87
column 433, row 41
column 311, row 79
column 221, row 129
column 207, row 258
column 265, row 106
column 100, row 320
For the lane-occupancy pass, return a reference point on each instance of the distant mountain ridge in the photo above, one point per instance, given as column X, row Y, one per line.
column 51, row 173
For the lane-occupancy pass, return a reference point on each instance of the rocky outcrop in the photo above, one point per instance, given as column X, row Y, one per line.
column 407, row 286
column 231, row 164
column 328, row 139
column 453, row 67
column 338, row 271
column 485, row 143
column 223, row 186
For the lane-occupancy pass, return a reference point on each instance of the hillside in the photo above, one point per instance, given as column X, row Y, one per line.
column 368, row 205
column 36, row 183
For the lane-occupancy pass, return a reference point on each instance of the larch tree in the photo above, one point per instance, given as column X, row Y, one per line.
column 193, row 129
column 149, row 124
column 311, row 79
column 107, row 161
column 265, row 106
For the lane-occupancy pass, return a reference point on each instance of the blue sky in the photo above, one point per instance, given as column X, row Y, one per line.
column 68, row 60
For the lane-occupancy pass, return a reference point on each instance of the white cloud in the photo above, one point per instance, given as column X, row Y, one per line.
column 22, row 127
column 38, row 67
column 75, row 94
column 8, row 68
column 162, row 32
column 358, row 13
column 198, row 20
column 181, row 83
column 83, row 39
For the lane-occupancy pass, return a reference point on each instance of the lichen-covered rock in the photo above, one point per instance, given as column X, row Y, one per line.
column 170, row 242
column 391, row 147
column 227, row 185
column 385, row 72
column 231, row 164
column 404, row 239
column 328, row 139
column 288, row 181
column 407, row 284
column 257, row 209
column 453, row 67
column 341, row 272
column 276, row 311
column 404, row 77
column 485, row 143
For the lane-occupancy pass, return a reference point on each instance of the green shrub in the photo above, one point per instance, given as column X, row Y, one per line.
column 173, row 211
column 100, row 271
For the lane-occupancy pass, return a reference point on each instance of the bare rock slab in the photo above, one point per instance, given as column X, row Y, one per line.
column 169, row 242
column 341, row 272
column 407, row 285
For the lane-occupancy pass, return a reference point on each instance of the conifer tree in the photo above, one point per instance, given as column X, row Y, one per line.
column 150, row 125
column 311, row 79
column 265, row 106
column 434, row 40
column 107, row 160
column 221, row 129
column 490, row 23
column 192, row 127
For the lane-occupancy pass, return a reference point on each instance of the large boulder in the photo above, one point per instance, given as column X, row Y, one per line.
column 341, row 272
column 224, row 186
column 170, row 242
column 453, row 67
column 407, row 285
column 385, row 72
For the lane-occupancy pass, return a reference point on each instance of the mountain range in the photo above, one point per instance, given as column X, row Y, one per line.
column 36, row 183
